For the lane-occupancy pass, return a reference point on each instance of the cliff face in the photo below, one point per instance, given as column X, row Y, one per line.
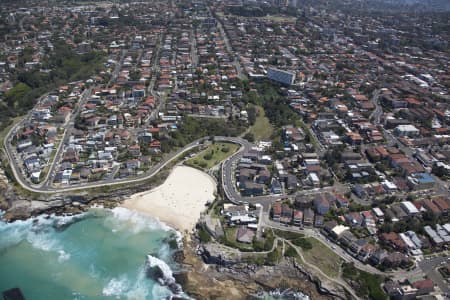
column 241, row 280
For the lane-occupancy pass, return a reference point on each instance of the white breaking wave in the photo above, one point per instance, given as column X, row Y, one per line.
column 43, row 241
column 138, row 289
column 13, row 233
column 163, row 266
column 38, row 231
column 138, row 221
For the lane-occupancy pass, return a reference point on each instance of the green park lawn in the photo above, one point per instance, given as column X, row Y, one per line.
column 322, row 257
column 212, row 155
column 262, row 129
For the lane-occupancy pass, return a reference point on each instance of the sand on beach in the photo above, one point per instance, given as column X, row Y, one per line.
column 179, row 200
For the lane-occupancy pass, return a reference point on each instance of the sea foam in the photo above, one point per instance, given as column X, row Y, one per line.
column 138, row 221
column 39, row 231
column 167, row 274
column 116, row 287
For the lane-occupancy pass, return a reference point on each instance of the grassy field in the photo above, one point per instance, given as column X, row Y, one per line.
column 212, row 155
column 262, row 129
column 322, row 257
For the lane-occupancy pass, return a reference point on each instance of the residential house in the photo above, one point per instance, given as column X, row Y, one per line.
column 245, row 235
column 252, row 189
column 276, row 211
column 393, row 240
column 298, row 217
column 443, row 204
column 424, row 287
column 286, row 214
column 395, row 259
column 354, row 219
column 302, row 202
column 308, row 217
column 321, row 204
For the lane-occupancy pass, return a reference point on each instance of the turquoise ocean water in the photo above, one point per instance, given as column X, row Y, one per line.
column 101, row 254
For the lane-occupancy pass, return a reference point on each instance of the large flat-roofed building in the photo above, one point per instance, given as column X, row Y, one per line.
column 281, row 76
column 406, row 130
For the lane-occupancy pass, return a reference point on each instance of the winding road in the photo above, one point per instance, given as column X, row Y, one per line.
column 47, row 189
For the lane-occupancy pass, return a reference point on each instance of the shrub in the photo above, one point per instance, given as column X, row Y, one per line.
column 303, row 243
column 204, row 235
column 290, row 252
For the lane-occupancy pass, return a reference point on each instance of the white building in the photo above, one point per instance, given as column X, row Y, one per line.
column 389, row 186
column 406, row 130
column 409, row 208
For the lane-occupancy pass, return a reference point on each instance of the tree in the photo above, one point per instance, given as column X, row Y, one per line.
column 14, row 95
column 249, row 137
column 252, row 113
column 135, row 75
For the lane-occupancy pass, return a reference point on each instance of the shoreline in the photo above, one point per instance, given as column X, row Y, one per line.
column 179, row 201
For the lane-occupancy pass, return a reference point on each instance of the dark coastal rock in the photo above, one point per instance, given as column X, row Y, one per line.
column 181, row 277
column 20, row 213
column 155, row 273
column 175, row 288
column 56, row 203
column 178, row 256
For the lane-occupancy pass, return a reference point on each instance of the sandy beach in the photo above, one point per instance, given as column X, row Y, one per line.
column 179, row 200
